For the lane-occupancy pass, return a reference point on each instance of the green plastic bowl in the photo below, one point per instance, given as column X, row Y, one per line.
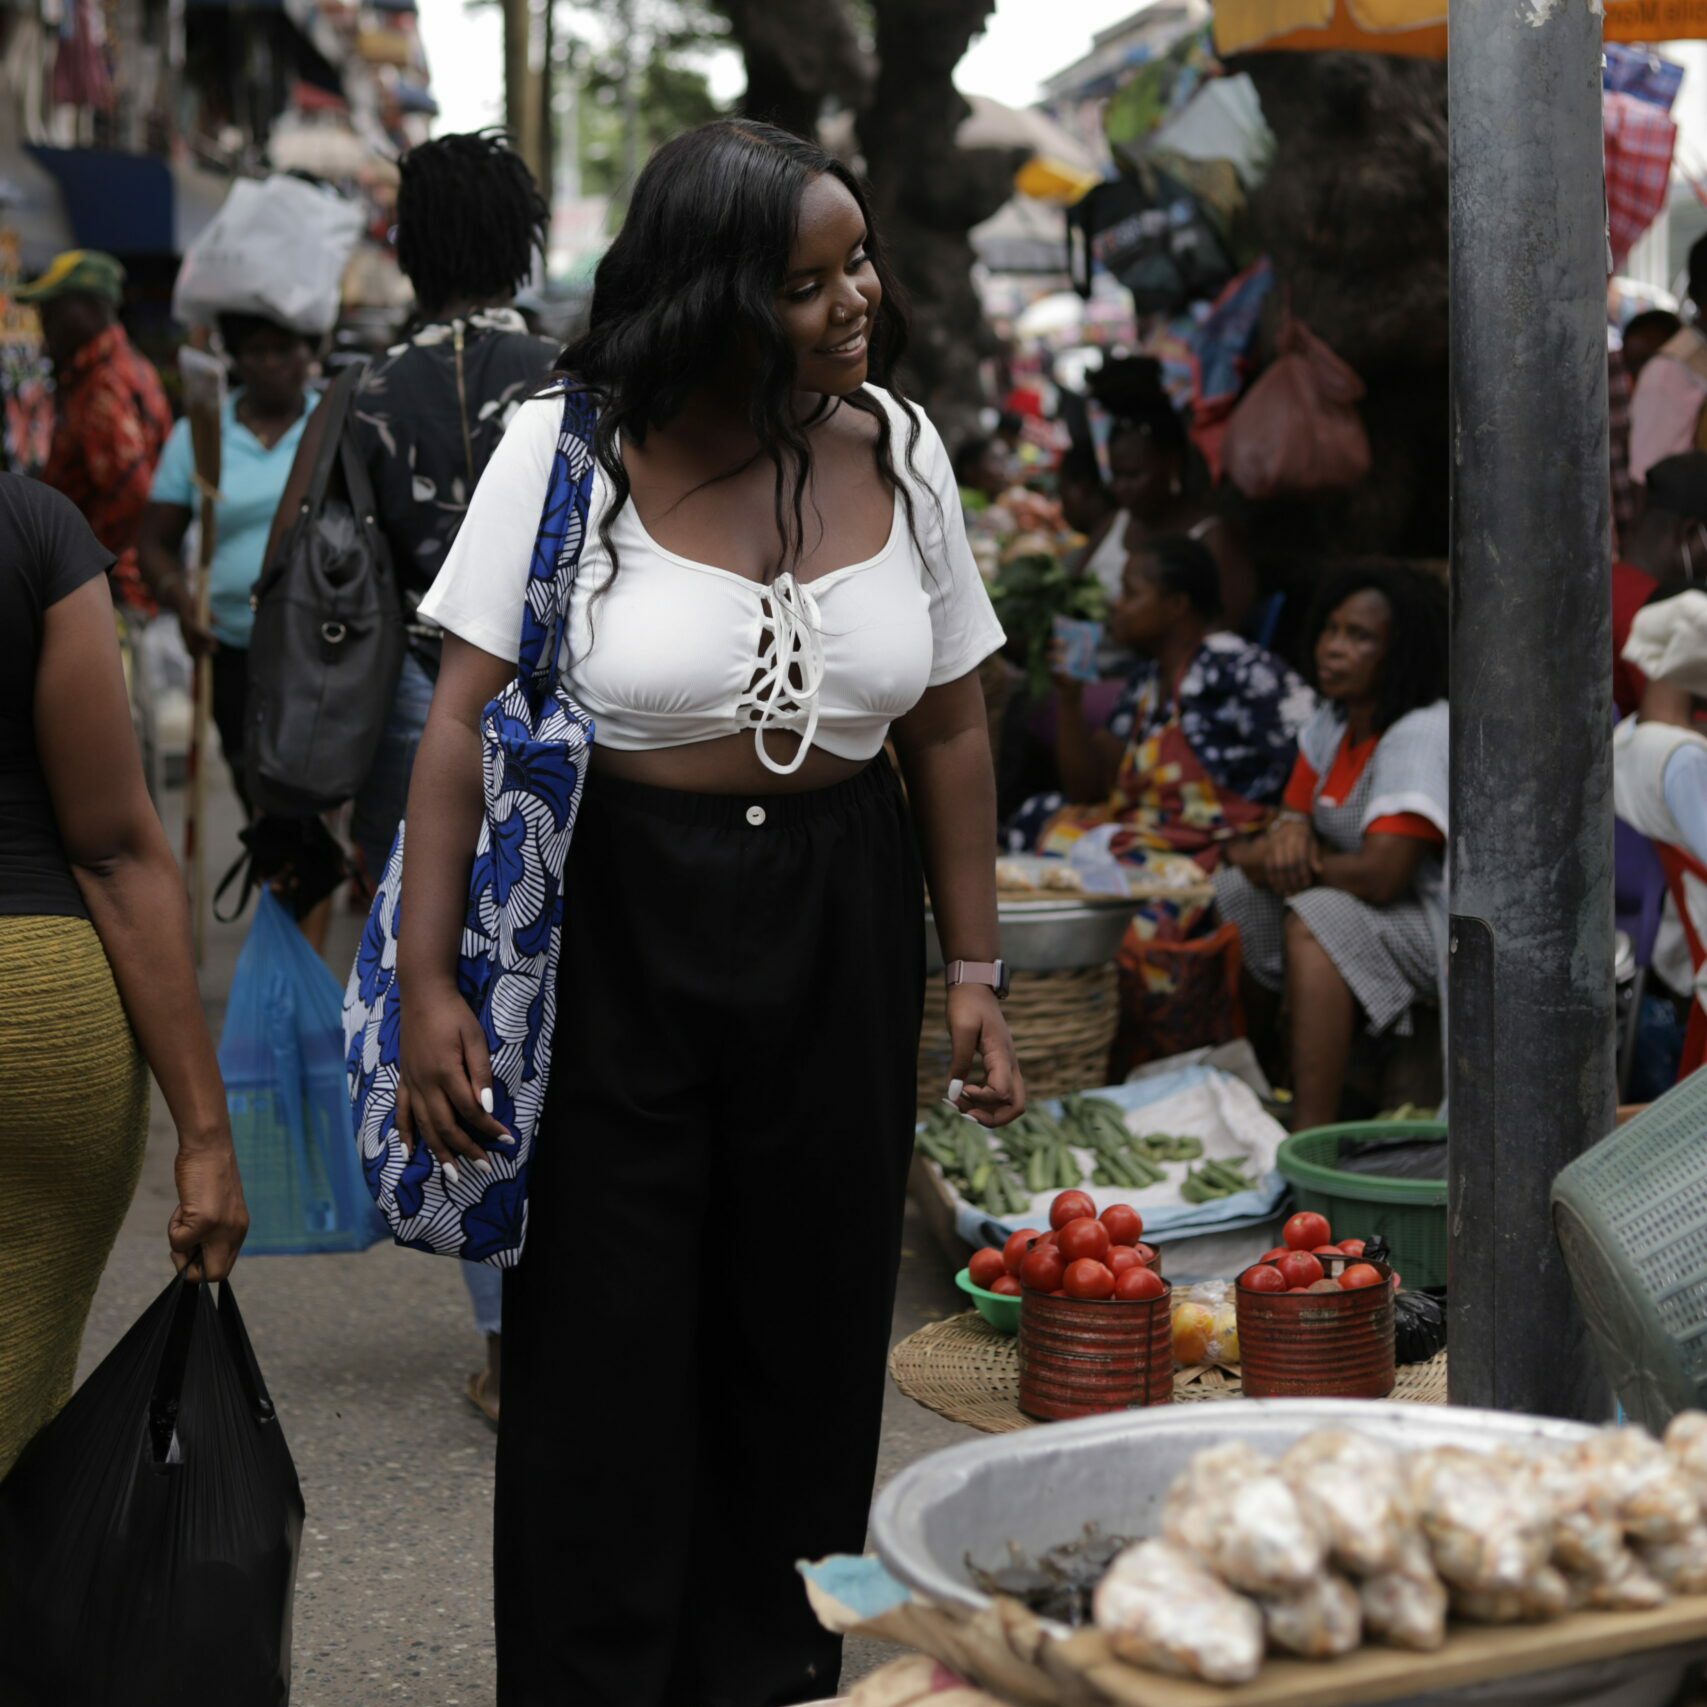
column 997, row 1308
column 1409, row 1213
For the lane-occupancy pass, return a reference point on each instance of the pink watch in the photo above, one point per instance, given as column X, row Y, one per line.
column 991, row 972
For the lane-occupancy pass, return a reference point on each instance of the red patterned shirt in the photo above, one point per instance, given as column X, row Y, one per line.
column 111, row 421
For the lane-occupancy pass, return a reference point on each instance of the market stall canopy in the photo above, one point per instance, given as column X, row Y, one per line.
column 993, row 124
column 1024, row 235
column 1414, row 27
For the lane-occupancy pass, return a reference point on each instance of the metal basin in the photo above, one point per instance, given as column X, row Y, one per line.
column 1050, row 936
column 1040, row 1486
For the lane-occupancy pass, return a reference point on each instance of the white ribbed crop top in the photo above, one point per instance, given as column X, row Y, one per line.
column 672, row 651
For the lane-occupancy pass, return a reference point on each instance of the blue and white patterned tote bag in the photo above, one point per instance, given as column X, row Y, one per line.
column 535, row 744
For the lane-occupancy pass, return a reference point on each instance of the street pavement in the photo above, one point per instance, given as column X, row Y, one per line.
column 365, row 1356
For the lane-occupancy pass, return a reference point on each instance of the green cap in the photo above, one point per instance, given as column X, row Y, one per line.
column 77, row 269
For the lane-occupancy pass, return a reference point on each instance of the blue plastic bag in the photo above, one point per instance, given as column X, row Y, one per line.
column 282, row 1055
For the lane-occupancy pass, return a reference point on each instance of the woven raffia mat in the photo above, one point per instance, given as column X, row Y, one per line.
column 963, row 1369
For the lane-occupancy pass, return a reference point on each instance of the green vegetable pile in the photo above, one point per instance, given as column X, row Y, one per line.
column 1030, row 590
column 1213, row 1180
column 1002, row 1171
column 961, row 1148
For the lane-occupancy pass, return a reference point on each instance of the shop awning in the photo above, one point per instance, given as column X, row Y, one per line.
column 1415, row 27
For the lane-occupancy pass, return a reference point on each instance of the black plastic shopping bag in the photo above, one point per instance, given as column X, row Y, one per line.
column 149, row 1534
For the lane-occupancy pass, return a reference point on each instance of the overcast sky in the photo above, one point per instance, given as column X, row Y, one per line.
column 1026, row 40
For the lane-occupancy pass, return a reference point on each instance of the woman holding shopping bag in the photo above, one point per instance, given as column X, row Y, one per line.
column 774, row 579
column 96, row 983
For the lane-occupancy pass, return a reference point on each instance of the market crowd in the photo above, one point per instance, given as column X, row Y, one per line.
column 1053, row 643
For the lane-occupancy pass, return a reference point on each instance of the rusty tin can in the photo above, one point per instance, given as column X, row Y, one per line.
column 1317, row 1345
column 1079, row 1357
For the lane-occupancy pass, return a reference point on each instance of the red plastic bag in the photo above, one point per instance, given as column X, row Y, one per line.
column 1297, row 433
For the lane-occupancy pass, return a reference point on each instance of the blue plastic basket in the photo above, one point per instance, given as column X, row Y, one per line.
column 1631, row 1215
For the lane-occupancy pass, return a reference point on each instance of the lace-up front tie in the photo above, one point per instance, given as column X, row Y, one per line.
column 784, row 691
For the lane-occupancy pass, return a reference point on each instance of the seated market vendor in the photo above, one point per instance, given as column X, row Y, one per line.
column 1341, row 903
column 1199, row 745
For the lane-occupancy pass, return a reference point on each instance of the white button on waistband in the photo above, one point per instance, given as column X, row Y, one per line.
column 755, row 816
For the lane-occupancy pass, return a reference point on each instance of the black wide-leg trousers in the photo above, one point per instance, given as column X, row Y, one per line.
column 694, row 1340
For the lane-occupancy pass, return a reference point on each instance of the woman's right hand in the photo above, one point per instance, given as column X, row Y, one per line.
column 1292, row 862
column 209, row 1224
column 443, row 1068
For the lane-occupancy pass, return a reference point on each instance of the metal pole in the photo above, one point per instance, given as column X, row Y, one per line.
column 1531, row 1034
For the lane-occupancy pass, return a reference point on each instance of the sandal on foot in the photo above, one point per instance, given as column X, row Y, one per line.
column 485, row 1402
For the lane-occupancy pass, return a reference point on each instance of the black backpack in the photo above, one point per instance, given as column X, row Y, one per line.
column 328, row 640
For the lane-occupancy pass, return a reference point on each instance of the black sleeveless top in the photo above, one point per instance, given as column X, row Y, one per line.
column 46, row 552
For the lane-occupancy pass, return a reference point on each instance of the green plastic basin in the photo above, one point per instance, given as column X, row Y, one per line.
column 1409, row 1213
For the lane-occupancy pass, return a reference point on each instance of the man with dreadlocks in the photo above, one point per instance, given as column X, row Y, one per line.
column 426, row 418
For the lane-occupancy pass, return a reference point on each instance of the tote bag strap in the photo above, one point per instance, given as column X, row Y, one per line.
column 557, row 546
column 337, row 408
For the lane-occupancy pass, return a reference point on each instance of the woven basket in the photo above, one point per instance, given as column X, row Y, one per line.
column 1063, row 1026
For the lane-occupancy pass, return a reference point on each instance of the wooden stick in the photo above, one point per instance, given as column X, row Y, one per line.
column 204, row 398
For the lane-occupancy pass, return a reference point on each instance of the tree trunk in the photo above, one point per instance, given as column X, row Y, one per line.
column 928, row 194
column 798, row 53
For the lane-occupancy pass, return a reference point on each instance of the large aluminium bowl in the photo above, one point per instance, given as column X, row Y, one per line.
column 1050, row 936
column 1042, row 1485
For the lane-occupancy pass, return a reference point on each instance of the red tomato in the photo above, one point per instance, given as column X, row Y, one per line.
column 1304, row 1289
column 1327, row 1250
column 1299, row 1268
column 1013, row 1252
column 1360, row 1274
column 1148, row 1253
column 1120, row 1258
column 1006, row 1285
column 986, row 1265
column 1306, row 1230
column 1042, row 1270
column 1070, row 1206
column 1125, row 1225
column 1276, row 1251
column 1087, row 1278
column 1140, row 1282
column 1352, row 1247
column 1049, row 1238
column 1262, row 1277
column 1084, row 1237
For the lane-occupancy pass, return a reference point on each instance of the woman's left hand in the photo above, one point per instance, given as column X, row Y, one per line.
column 976, row 1026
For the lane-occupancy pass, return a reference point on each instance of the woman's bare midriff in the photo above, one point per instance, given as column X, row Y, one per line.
column 728, row 765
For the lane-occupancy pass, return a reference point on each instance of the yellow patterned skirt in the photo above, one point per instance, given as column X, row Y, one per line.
column 73, row 1128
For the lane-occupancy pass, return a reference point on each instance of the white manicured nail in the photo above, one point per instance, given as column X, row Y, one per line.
column 451, row 1174
column 955, row 1087
column 482, row 1164
column 486, row 1099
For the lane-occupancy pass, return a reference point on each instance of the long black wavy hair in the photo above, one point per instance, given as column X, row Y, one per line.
column 691, row 277
column 1414, row 672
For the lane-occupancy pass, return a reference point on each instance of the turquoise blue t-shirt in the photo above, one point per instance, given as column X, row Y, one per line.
column 251, row 482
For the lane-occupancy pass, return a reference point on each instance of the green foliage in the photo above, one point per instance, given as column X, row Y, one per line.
column 671, row 94
column 1030, row 590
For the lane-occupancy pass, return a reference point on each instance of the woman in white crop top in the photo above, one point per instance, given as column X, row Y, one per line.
column 775, row 580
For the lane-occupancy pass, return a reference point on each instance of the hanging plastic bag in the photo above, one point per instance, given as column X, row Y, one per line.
column 149, row 1534
column 1297, row 433
column 278, row 248
column 282, row 1055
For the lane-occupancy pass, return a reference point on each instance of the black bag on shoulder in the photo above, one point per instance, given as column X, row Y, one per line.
column 328, row 640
